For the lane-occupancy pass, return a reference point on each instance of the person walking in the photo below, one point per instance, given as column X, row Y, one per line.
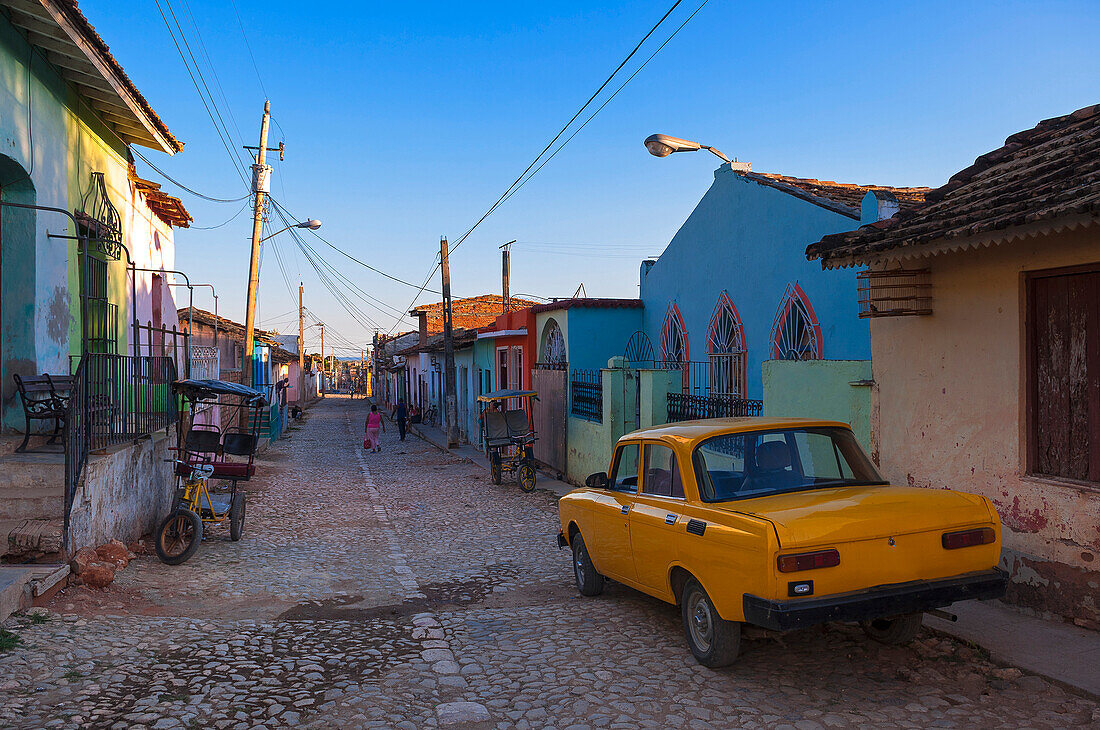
column 375, row 424
column 401, row 414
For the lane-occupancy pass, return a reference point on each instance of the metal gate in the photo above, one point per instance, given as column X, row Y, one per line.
column 550, row 416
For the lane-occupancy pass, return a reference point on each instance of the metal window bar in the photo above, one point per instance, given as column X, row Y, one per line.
column 686, row 407
column 586, row 394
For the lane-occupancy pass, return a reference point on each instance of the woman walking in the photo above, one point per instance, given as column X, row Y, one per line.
column 374, row 425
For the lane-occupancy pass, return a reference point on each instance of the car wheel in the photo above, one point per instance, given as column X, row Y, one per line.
column 896, row 630
column 589, row 582
column 714, row 641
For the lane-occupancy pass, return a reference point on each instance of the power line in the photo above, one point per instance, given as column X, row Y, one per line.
column 572, row 119
column 180, row 185
column 606, row 101
column 340, row 251
column 224, row 223
column 248, row 45
column 232, row 156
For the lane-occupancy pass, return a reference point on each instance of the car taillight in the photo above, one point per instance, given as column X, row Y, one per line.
column 808, row 561
column 967, row 538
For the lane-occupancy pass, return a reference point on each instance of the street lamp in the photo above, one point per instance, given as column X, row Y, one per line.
column 312, row 224
column 662, row 145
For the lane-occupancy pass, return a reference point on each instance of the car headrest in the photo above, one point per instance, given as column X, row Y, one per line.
column 773, row 455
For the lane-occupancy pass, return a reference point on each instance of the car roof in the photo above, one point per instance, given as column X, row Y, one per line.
column 694, row 431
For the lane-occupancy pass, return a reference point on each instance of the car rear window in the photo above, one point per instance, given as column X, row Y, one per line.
column 759, row 463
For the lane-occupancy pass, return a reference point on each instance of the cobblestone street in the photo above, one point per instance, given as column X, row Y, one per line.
column 403, row 589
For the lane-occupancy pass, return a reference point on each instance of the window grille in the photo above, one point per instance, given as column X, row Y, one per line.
column 674, row 339
column 553, row 347
column 726, row 351
column 894, row 293
column 586, row 394
column 796, row 333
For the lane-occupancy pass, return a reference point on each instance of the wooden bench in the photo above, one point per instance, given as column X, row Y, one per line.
column 44, row 398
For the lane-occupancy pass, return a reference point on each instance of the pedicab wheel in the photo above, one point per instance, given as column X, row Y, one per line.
column 495, row 468
column 526, row 477
column 897, row 630
column 178, row 537
column 236, row 517
column 714, row 641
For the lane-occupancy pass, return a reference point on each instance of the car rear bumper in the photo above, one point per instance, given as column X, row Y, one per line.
column 880, row 602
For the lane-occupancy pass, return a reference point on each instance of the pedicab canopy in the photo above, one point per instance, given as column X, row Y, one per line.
column 502, row 394
column 197, row 390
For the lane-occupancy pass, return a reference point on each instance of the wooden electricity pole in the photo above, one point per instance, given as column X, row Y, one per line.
column 301, row 335
column 450, row 397
column 259, row 185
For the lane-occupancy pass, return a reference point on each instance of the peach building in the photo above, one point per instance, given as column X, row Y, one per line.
column 984, row 305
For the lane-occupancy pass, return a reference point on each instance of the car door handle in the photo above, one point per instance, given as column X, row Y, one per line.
column 625, row 508
column 670, row 519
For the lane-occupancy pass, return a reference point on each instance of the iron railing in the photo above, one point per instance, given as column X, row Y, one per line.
column 114, row 400
column 686, row 407
column 586, row 394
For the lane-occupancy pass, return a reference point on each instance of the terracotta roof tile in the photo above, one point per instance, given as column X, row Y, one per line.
column 588, row 302
column 846, row 197
column 166, row 207
column 1049, row 171
column 469, row 313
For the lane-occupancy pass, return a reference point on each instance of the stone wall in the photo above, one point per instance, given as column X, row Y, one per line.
column 123, row 494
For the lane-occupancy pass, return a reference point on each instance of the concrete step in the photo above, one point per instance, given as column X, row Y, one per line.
column 30, row 538
column 20, row 585
column 32, row 486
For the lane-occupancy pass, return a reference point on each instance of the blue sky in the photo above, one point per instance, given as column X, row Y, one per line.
column 405, row 121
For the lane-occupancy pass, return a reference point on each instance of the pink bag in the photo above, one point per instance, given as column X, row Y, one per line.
column 366, row 443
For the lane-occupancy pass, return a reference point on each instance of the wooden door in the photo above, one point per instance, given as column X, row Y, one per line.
column 550, row 417
column 1064, row 374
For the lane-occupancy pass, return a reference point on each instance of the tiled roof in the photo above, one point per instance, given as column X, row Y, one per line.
column 462, row 338
column 844, row 197
column 469, row 313
column 70, row 43
column 166, row 207
column 588, row 302
column 1047, row 172
column 226, row 326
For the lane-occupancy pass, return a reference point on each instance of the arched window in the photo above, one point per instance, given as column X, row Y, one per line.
column 796, row 334
column 674, row 347
column 726, row 350
column 553, row 346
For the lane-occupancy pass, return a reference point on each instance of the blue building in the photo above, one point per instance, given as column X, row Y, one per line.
column 733, row 289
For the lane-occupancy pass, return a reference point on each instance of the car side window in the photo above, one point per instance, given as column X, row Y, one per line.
column 625, row 476
column 661, row 473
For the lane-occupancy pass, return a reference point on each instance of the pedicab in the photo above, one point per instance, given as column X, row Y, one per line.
column 205, row 451
column 508, row 435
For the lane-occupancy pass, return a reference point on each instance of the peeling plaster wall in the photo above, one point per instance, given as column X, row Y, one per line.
column 50, row 143
column 949, row 412
column 123, row 494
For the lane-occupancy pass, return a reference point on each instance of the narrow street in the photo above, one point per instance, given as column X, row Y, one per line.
column 403, row 589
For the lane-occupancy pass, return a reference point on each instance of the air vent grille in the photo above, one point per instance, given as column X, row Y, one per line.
column 696, row 527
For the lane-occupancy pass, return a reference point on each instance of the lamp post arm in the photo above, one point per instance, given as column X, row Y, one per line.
column 714, row 151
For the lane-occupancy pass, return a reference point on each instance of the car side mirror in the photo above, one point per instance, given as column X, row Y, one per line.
column 596, row 481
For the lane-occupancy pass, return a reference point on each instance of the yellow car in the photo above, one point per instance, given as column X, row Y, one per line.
column 777, row 522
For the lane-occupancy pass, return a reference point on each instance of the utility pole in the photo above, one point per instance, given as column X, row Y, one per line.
column 301, row 334
column 362, row 356
column 450, row 397
column 261, row 177
column 324, row 364
column 506, row 271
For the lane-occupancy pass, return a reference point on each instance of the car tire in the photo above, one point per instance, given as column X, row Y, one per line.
column 896, row 630
column 714, row 641
column 589, row 582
